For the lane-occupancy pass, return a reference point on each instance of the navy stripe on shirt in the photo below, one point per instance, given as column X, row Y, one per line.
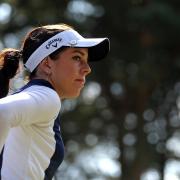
column 1, row 160
column 58, row 155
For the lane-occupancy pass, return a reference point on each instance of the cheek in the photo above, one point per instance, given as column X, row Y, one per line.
column 63, row 76
column 64, row 73
column 68, row 67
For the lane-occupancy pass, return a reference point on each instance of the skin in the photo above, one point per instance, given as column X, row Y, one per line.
column 68, row 73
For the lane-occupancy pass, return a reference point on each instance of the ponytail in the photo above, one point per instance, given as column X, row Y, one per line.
column 9, row 63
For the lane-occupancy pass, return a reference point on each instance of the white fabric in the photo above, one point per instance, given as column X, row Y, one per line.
column 70, row 38
column 26, row 129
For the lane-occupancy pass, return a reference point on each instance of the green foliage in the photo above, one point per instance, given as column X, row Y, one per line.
column 137, row 83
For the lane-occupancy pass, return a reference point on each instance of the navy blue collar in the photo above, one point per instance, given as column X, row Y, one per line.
column 40, row 82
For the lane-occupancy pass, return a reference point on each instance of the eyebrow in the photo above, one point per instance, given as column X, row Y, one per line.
column 80, row 52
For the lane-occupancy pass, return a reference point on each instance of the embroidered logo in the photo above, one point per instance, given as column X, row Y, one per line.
column 53, row 43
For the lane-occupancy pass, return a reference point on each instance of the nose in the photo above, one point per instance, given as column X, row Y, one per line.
column 86, row 69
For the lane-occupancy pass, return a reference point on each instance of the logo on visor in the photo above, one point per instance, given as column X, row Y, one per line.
column 53, row 43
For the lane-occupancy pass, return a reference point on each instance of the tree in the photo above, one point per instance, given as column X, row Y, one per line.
column 130, row 99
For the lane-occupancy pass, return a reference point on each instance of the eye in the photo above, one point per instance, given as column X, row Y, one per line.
column 76, row 58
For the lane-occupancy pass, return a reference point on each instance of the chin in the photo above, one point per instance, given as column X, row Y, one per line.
column 72, row 95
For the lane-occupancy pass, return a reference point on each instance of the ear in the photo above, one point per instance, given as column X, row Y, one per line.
column 46, row 65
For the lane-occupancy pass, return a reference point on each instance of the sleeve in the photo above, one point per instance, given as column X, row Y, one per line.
column 39, row 105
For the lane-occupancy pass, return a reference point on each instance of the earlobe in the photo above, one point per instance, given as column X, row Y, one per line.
column 47, row 69
column 47, row 64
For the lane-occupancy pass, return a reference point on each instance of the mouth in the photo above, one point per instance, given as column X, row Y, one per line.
column 80, row 81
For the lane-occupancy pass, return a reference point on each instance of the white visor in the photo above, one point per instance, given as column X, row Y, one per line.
column 98, row 47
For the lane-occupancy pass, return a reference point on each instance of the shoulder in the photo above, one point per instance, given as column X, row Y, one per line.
column 43, row 95
column 36, row 92
column 37, row 103
column 43, row 92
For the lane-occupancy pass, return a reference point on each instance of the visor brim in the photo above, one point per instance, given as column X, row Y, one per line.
column 98, row 48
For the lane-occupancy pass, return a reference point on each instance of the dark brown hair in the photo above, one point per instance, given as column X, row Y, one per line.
column 9, row 58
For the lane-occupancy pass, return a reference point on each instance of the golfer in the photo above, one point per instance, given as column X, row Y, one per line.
column 56, row 56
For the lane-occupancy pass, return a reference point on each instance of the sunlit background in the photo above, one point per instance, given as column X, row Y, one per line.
column 125, row 125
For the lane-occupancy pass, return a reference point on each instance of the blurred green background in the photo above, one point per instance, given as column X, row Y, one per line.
column 125, row 125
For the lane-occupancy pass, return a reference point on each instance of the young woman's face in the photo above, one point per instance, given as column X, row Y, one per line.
column 69, row 71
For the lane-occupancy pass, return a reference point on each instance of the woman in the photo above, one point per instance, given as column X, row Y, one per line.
column 57, row 58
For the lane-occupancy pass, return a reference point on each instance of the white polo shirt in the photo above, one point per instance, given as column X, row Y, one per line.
column 30, row 133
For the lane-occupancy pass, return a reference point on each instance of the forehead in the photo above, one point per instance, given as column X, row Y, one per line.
column 81, row 51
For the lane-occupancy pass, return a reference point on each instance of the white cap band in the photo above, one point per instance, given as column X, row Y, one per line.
column 69, row 38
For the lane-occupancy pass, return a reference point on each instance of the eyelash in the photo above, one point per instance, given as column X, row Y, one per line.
column 77, row 58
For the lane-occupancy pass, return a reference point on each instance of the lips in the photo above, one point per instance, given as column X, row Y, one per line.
column 80, row 81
